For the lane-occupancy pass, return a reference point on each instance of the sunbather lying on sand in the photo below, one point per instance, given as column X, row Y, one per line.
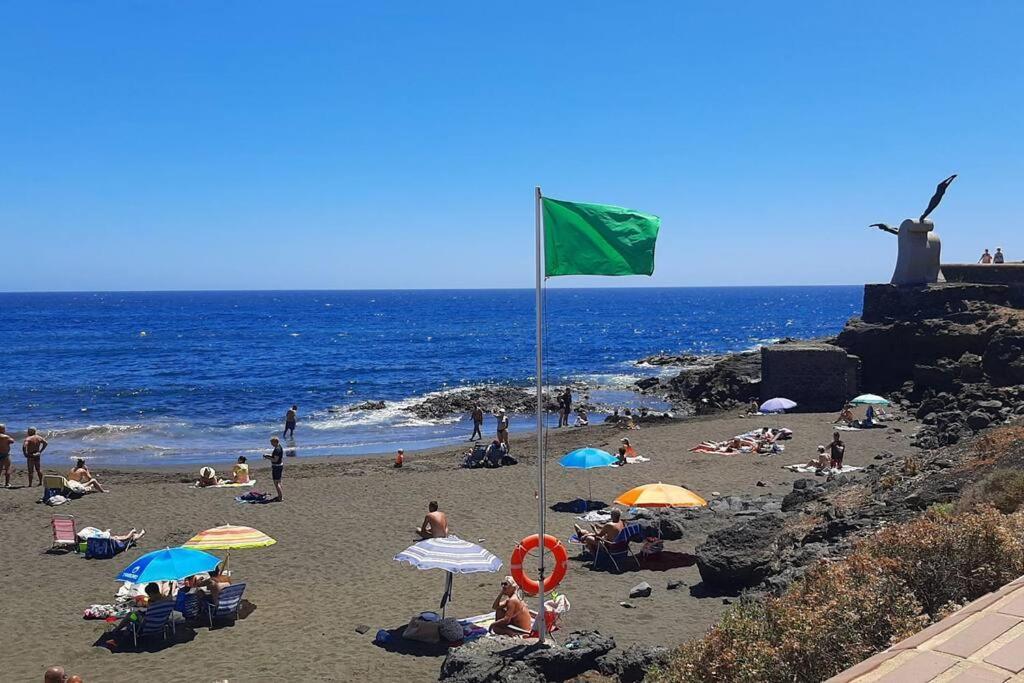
column 602, row 533
column 510, row 610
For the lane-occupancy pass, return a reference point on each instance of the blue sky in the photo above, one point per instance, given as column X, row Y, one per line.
column 238, row 145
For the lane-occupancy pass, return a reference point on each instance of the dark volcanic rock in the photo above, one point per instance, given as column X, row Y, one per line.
column 978, row 420
column 1004, row 357
column 368, row 405
column 632, row 664
column 741, row 555
column 492, row 399
column 717, row 382
column 509, row 660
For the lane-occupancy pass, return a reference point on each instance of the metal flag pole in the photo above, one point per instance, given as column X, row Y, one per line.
column 541, row 621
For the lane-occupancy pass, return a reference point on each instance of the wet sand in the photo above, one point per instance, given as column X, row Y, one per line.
column 342, row 521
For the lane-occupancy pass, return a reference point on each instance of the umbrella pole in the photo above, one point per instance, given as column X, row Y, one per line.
column 447, row 592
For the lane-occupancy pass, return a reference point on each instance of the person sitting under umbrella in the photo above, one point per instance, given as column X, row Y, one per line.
column 215, row 584
column 510, row 610
column 602, row 533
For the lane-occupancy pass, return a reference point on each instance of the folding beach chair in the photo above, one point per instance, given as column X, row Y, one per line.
column 55, row 485
column 618, row 551
column 64, row 532
column 156, row 620
column 555, row 610
column 228, row 601
column 187, row 604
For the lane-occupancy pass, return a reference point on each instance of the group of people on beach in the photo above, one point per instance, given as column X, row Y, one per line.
column 32, row 448
column 997, row 258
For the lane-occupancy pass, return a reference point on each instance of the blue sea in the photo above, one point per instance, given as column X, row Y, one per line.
column 201, row 377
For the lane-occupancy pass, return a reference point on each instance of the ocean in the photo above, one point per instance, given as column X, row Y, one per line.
column 202, row 377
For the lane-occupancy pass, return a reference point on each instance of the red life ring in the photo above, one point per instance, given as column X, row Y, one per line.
column 528, row 545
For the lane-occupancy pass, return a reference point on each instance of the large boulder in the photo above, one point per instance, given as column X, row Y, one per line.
column 1004, row 357
column 741, row 555
column 632, row 664
column 510, row 660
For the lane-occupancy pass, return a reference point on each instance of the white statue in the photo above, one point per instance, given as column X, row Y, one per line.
column 918, row 261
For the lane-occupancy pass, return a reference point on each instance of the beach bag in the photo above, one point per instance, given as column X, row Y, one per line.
column 423, row 631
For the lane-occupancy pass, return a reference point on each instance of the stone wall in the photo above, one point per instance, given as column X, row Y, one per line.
column 819, row 377
column 884, row 302
column 991, row 274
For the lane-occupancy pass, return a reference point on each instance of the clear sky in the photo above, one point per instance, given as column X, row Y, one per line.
column 268, row 145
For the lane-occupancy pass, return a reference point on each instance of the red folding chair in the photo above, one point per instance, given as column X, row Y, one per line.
column 64, row 532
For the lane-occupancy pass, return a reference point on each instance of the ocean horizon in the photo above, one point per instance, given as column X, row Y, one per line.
column 186, row 377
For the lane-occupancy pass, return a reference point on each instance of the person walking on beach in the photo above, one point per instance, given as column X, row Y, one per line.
column 32, row 448
column 986, row 258
column 276, row 458
column 998, row 257
column 837, row 449
column 435, row 524
column 289, row 422
column 399, row 458
column 478, row 422
column 503, row 428
column 6, row 441
column 566, row 405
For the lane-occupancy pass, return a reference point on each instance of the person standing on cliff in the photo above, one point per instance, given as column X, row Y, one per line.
column 986, row 258
column 998, row 257
column 837, row 449
column 478, row 422
column 503, row 428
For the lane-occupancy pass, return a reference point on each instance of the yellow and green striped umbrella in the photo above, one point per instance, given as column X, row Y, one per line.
column 229, row 537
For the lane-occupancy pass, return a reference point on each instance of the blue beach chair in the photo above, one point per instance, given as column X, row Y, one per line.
column 156, row 620
column 228, row 602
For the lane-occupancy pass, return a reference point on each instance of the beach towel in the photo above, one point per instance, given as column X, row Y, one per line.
column 225, row 485
column 804, row 468
column 844, row 428
column 637, row 459
column 253, row 497
column 595, row 516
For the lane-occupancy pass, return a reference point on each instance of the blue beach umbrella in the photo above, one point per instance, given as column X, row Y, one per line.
column 587, row 459
column 451, row 554
column 777, row 405
column 169, row 564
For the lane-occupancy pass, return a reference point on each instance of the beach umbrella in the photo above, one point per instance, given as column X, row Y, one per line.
column 169, row 564
column 229, row 537
column 869, row 400
column 777, row 405
column 587, row 459
column 451, row 554
column 660, row 496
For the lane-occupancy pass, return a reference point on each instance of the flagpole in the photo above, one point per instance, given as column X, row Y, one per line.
column 541, row 622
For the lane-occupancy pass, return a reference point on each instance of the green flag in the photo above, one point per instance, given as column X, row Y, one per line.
column 596, row 239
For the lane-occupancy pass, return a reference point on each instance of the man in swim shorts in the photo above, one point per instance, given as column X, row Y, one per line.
column 503, row 428
column 6, row 441
column 276, row 458
column 32, row 448
column 478, row 423
column 289, row 422
column 837, row 449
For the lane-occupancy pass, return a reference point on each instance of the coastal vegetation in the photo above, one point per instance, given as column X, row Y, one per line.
column 892, row 584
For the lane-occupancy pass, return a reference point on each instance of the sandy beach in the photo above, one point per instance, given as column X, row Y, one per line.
column 341, row 523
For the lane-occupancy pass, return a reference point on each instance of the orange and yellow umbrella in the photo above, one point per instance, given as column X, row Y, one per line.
column 229, row 537
column 660, row 496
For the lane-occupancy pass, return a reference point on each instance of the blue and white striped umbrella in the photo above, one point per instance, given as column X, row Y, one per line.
column 451, row 554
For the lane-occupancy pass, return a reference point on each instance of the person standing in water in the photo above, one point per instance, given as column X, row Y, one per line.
column 289, row 422
column 478, row 422
column 32, row 448
column 276, row 458
column 6, row 441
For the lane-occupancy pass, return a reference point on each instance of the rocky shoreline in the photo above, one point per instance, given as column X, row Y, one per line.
column 952, row 356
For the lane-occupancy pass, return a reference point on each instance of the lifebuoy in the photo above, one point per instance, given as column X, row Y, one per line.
column 528, row 545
